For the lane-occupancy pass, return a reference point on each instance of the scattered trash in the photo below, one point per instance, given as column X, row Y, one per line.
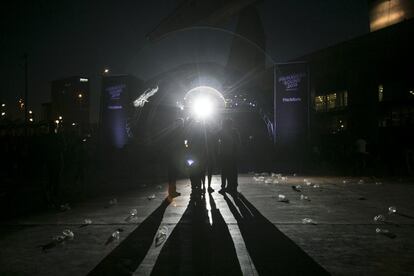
column 344, row 181
column 132, row 214
column 307, row 182
column 316, row 186
column 64, row 207
column 284, row 178
column 275, row 181
column 379, row 218
column 86, row 222
column 303, row 197
column 378, row 183
column 361, row 181
column 113, row 201
column 259, row 178
column 67, row 234
column 282, row 198
column 151, row 197
column 161, row 235
column 294, row 174
column 174, row 204
column 309, row 221
column 385, row 232
column 264, row 174
column 277, row 175
column 114, row 236
column 159, row 187
column 297, row 188
column 269, row 181
column 392, row 210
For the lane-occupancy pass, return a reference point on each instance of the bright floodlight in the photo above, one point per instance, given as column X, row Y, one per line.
column 203, row 107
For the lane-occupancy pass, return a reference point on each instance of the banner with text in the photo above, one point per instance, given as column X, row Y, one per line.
column 291, row 106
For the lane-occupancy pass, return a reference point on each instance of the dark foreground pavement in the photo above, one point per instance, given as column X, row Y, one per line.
column 249, row 234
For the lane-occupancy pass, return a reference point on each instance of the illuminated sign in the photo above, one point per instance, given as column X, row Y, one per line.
column 291, row 103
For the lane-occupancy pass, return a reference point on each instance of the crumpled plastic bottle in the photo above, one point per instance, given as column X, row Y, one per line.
column 151, row 197
column 87, row 221
column 68, row 234
column 392, row 210
column 161, row 235
column 133, row 212
column 116, row 235
column 282, row 198
column 379, row 218
column 309, row 221
column 297, row 188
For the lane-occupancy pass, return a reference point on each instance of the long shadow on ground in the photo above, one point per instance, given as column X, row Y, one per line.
column 196, row 247
column 128, row 255
column 272, row 252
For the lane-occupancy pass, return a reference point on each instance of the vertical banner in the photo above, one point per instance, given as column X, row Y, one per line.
column 291, row 102
column 114, row 109
column 291, row 108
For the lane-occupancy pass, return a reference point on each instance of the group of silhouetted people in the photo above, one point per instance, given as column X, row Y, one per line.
column 200, row 149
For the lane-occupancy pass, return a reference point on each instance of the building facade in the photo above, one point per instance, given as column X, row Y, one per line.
column 364, row 88
column 70, row 100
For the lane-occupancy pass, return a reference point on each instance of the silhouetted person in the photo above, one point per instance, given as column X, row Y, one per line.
column 228, row 148
column 174, row 153
column 196, row 155
column 210, row 148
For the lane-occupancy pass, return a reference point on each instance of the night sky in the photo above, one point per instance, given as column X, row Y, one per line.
column 65, row 38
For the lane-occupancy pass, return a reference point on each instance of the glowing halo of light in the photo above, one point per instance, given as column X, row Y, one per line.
column 203, row 101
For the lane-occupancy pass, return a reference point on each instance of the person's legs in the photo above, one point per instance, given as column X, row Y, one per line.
column 233, row 176
column 172, row 178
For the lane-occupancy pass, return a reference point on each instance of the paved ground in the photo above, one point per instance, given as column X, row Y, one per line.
column 251, row 234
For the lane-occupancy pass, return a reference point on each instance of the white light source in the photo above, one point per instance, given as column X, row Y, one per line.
column 203, row 107
column 190, row 162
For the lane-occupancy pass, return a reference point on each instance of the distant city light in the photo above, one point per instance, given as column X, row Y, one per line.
column 30, row 112
column 85, row 80
column 73, row 124
column 80, row 96
column 60, row 117
column 3, row 114
column 3, row 105
column 31, row 119
column 106, row 70
column 57, row 122
column 411, row 92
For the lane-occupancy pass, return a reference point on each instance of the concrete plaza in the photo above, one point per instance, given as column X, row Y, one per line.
column 252, row 233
